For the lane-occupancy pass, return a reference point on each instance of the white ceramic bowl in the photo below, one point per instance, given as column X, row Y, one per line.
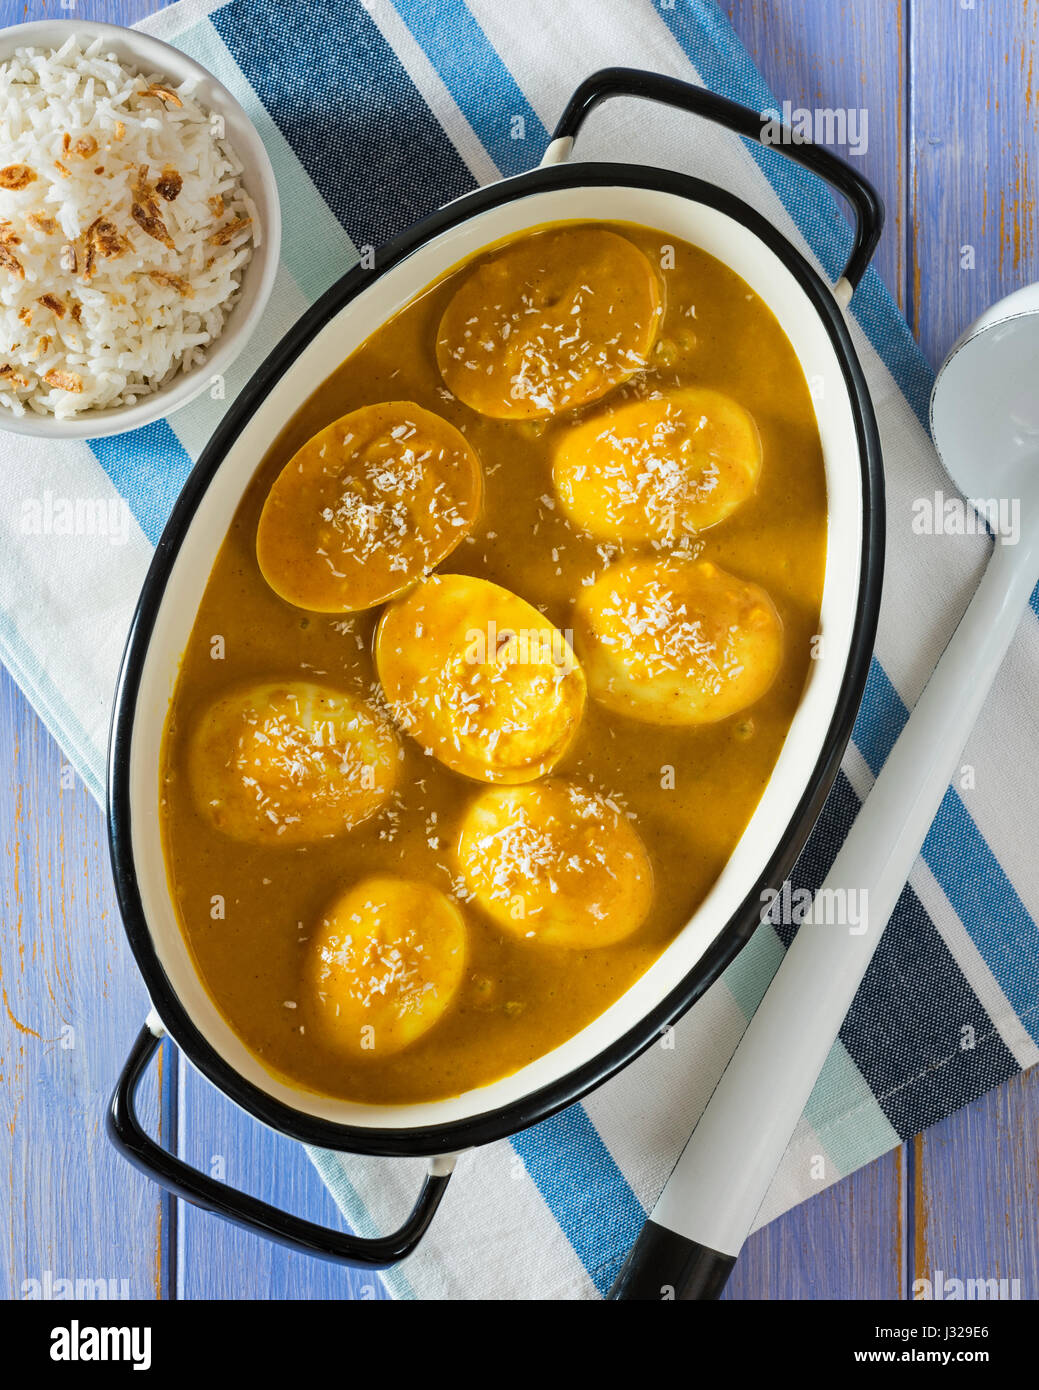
column 151, row 56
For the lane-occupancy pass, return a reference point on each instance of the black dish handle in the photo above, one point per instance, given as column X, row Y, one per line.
column 126, row 1133
column 631, row 82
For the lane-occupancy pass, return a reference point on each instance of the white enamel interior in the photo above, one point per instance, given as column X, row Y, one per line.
column 764, row 272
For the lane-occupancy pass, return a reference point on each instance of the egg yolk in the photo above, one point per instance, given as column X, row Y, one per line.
column 677, row 641
column 549, row 323
column 289, row 763
column 367, row 506
column 385, row 963
column 659, row 468
column 555, row 864
column 479, row 678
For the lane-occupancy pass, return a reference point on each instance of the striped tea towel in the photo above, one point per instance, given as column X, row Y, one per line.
column 374, row 113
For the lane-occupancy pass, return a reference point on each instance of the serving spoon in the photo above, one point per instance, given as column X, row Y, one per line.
column 985, row 425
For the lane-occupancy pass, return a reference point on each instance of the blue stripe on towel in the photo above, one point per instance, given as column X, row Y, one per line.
column 915, row 1003
column 375, row 152
column 148, row 467
column 482, row 86
column 585, row 1190
column 983, row 896
column 880, row 719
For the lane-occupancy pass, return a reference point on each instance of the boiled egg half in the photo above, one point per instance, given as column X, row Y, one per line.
column 385, row 963
column 480, row 678
column 659, row 468
column 549, row 322
column 367, row 506
column 290, row 762
column 677, row 640
column 556, row 864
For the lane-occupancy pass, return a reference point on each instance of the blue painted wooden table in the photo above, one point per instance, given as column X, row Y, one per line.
column 951, row 88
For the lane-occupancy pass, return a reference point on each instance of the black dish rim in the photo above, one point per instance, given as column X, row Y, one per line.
column 497, row 1123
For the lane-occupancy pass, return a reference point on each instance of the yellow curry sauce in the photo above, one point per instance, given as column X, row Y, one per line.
column 250, row 910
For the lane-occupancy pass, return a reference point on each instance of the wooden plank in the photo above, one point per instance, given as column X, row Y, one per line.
column 819, row 54
column 974, row 1183
column 100, row 11
column 217, row 1260
column 975, row 154
column 77, row 1209
column 976, row 1191
column 846, row 1243
column 72, row 1004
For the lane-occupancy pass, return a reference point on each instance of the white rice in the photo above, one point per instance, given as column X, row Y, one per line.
column 117, row 332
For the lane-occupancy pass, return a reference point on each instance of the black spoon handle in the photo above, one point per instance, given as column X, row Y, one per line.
column 664, row 1266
